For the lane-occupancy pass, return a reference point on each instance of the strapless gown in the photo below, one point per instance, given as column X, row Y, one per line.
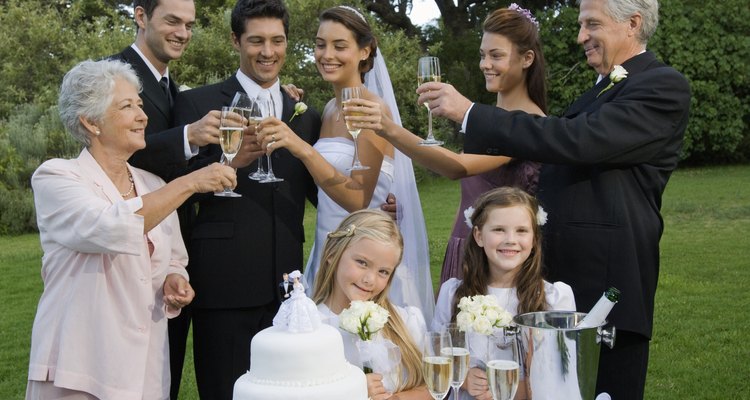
column 339, row 152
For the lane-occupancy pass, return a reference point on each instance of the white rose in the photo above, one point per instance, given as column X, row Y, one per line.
column 482, row 325
column 464, row 321
column 618, row 73
column 349, row 322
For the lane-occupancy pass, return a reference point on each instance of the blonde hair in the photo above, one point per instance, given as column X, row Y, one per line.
column 375, row 225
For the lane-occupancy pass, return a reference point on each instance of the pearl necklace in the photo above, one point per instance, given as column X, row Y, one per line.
column 132, row 186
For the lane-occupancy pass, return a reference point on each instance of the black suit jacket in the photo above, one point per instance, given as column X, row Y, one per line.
column 164, row 154
column 607, row 162
column 240, row 247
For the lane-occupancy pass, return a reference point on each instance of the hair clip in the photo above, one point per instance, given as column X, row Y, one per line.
column 346, row 232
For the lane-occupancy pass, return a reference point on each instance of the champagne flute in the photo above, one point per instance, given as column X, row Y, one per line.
column 429, row 71
column 460, row 354
column 230, row 138
column 437, row 363
column 347, row 94
column 253, row 118
column 503, row 368
column 267, row 109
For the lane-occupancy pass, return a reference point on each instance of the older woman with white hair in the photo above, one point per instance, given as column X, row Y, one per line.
column 114, row 261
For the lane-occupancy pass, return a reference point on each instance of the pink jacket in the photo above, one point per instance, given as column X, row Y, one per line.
column 101, row 325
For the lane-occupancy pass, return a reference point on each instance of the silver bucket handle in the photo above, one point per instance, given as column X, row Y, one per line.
column 606, row 336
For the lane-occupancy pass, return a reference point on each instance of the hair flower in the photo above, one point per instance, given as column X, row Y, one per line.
column 468, row 213
column 618, row 73
column 299, row 109
column 541, row 216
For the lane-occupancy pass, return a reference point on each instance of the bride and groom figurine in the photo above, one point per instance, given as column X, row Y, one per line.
column 298, row 313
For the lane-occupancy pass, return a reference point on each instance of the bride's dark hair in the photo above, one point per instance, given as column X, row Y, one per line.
column 356, row 23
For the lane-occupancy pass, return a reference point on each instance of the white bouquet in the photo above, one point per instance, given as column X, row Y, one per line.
column 481, row 314
column 363, row 318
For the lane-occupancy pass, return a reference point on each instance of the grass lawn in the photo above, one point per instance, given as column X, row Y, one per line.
column 701, row 318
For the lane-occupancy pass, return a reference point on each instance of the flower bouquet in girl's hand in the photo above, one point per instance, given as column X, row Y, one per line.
column 481, row 314
column 365, row 319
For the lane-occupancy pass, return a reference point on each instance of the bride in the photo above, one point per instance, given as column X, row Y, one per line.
column 346, row 55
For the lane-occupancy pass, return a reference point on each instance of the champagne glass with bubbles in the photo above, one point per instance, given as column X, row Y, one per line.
column 231, row 130
column 251, row 111
column 267, row 109
column 254, row 117
column 460, row 354
column 437, row 363
column 347, row 94
column 503, row 368
column 429, row 71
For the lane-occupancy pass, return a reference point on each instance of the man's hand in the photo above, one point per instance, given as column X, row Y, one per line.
column 205, row 130
column 390, row 206
column 444, row 100
column 250, row 149
column 293, row 91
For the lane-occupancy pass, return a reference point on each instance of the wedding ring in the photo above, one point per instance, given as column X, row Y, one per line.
column 273, row 138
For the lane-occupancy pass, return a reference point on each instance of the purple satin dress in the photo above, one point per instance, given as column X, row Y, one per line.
column 517, row 173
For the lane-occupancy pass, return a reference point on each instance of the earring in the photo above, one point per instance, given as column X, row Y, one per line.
column 98, row 132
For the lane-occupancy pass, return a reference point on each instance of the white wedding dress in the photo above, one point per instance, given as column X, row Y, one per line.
column 339, row 152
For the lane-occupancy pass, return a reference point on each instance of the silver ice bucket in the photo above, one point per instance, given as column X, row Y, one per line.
column 559, row 360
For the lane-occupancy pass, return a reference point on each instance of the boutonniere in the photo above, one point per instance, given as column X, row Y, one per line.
column 617, row 74
column 183, row 88
column 299, row 109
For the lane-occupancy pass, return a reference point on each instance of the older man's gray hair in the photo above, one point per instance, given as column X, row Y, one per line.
column 621, row 10
column 87, row 91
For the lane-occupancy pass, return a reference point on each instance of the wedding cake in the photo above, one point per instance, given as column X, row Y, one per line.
column 299, row 358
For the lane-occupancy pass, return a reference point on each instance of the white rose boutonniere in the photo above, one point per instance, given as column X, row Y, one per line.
column 299, row 109
column 481, row 314
column 618, row 73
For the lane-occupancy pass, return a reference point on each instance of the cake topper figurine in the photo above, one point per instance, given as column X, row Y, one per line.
column 298, row 313
column 285, row 286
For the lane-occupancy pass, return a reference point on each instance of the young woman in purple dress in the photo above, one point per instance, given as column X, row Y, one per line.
column 510, row 57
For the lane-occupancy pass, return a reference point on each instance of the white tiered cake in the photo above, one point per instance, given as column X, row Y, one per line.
column 299, row 359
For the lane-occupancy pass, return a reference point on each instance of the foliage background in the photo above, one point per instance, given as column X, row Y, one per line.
column 40, row 40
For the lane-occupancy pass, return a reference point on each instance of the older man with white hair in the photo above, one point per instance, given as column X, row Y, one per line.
column 607, row 163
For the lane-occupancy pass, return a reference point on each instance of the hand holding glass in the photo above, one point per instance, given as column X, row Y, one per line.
column 347, row 94
column 502, row 365
column 429, row 71
column 437, row 363
column 231, row 130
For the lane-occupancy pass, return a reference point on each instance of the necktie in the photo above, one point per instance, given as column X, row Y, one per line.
column 266, row 95
column 164, row 83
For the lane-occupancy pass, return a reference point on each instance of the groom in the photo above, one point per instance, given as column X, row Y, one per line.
column 608, row 161
column 241, row 246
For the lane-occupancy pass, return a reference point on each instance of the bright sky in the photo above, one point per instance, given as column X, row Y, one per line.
column 423, row 11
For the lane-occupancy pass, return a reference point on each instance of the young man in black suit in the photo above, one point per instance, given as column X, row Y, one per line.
column 164, row 31
column 607, row 162
column 240, row 247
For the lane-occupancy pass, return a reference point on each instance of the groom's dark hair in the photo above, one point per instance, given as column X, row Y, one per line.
column 249, row 9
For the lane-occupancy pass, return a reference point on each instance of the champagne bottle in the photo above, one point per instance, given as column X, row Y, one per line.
column 601, row 309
